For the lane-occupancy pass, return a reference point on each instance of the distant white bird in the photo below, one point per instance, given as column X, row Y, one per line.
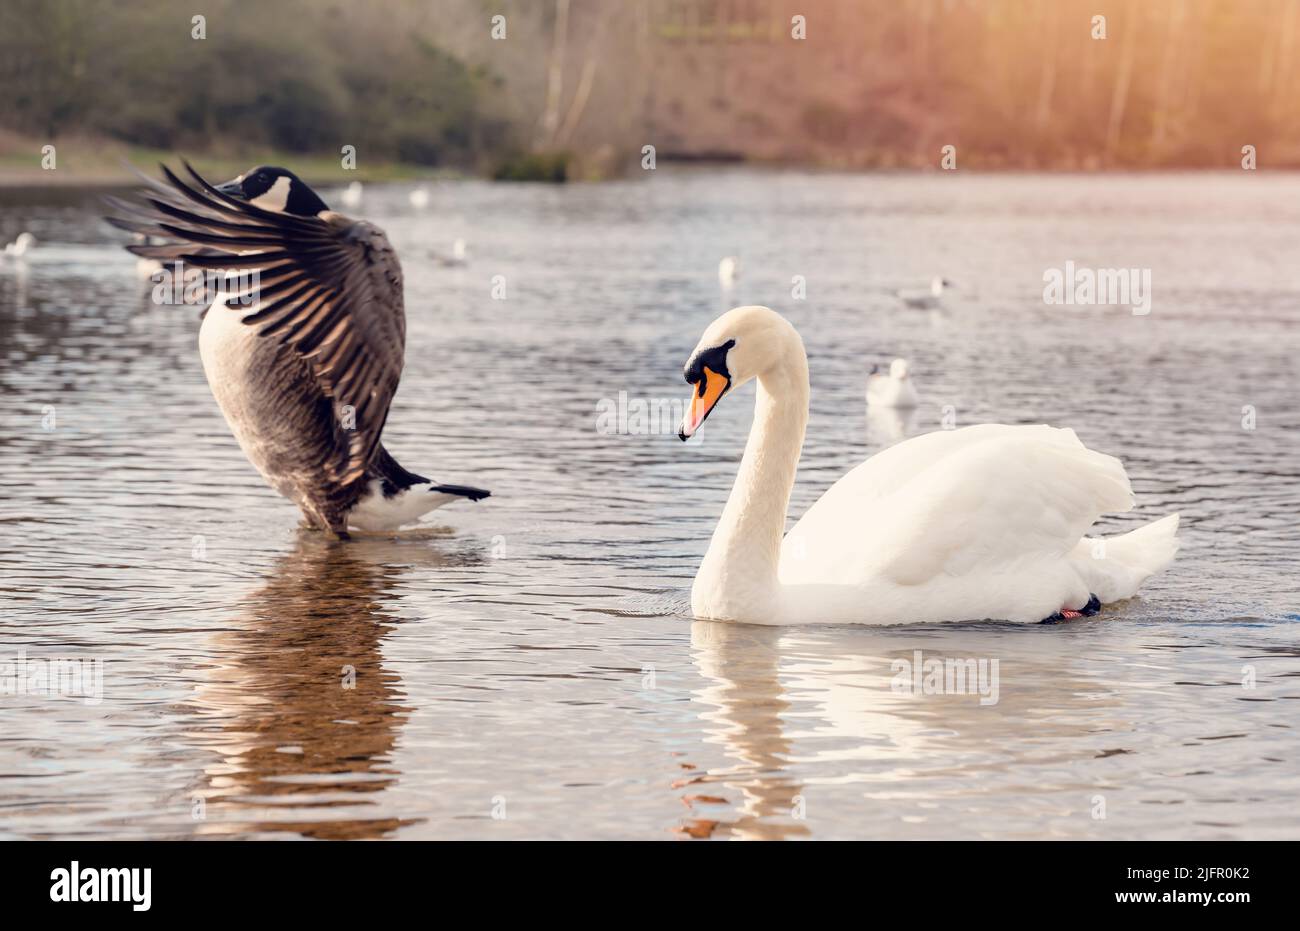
column 419, row 198
column 894, row 389
column 145, row 268
column 459, row 254
column 925, row 300
column 351, row 196
column 20, row 246
column 728, row 271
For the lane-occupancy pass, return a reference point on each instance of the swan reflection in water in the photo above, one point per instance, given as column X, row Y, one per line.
column 298, row 705
column 782, row 702
column 744, row 702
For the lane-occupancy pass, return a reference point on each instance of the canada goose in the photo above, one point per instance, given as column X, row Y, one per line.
column 306, row 372
column 419, row 198
column 351, row 196
column 927, row 299
column 20, row 246
column 982, row 522
column 892, row 389
column 728, row 271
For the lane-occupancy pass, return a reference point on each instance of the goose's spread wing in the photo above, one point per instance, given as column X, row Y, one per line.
column 328, row 287
column 989, row 497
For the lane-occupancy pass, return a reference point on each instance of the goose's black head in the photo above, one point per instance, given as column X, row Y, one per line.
column 278, row 190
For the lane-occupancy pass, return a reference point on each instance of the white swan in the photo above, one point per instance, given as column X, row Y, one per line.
column 20, row 246
column 982, row 522
column 928, row 299
column 894, row 389
column 728, row 271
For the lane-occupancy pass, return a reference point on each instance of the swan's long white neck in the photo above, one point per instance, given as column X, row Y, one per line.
column 738, row 578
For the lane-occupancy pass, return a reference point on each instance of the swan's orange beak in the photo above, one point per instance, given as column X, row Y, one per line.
column 707, row 392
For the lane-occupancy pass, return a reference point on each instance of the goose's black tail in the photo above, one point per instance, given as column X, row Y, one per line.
column 464, row 491
column 396, row 479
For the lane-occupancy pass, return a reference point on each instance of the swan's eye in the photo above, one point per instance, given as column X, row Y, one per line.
column 715, row 358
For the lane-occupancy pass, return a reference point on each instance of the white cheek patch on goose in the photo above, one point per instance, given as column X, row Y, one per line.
column 275, row 198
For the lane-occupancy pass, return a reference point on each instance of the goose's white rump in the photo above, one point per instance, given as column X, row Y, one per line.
column 983, row 522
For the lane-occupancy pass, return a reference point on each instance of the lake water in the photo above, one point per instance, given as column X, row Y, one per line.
column 528, row 667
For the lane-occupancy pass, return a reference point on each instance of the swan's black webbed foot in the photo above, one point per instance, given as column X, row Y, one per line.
column 1091, row 609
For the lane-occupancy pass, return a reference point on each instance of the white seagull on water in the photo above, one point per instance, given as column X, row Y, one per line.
column 20, row 246
column 728, row 271
column 893, row 388
column 927, row 299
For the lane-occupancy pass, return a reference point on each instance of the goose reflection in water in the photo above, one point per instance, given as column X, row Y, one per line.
column 298, row 704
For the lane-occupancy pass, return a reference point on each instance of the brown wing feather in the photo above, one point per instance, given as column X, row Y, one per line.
column 329, row 287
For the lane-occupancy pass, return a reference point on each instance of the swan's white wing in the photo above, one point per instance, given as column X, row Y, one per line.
column 955, row 503
column 1011, row 507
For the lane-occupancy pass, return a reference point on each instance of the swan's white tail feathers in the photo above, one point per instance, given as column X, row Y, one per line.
column 1114, row 567
column 1151, row 547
